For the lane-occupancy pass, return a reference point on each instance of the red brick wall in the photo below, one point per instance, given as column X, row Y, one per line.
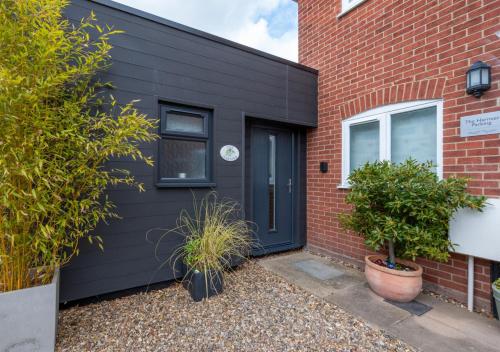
column 388, row 51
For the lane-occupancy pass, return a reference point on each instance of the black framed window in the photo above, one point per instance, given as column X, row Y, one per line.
column 185, row 146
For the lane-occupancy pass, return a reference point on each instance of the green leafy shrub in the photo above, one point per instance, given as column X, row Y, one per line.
column 215, row 235
column 59, row 129
column 497, row 283
column 405, row 208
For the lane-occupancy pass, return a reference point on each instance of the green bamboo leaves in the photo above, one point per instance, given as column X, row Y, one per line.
column 59, row 127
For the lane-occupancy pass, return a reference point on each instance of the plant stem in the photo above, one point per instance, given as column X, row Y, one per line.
column 392, row 256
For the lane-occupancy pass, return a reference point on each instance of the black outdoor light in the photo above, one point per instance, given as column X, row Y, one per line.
column 478, row 79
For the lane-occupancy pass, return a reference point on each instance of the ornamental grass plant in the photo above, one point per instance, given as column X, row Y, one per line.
column 405, row 208
column 215, row 236
column 59, row 127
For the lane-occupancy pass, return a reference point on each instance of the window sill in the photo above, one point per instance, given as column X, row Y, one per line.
column 343, row 186
column 345, row 12
column 185, row 184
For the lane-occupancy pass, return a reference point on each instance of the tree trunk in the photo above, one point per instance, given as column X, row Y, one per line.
column 392, row 255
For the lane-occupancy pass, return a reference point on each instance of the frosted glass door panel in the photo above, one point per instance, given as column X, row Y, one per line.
column 272, row 182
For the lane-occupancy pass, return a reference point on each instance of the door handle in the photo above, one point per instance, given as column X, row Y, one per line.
column 289, row 185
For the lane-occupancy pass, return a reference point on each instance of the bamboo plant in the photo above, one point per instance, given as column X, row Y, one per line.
column 59, row 128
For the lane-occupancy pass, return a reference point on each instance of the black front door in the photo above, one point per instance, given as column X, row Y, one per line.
column 272, row 186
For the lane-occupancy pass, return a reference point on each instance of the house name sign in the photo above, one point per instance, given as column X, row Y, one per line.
column 477, row 125
column 229, row 153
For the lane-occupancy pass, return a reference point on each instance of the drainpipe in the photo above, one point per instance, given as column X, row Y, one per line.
column 470, row 284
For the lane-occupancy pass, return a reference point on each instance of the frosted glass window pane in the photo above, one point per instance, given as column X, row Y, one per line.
column 364, row 140
column 184, row 123
column 475, row 77
column 183, row 159
column 413, row 134
column 484, row 76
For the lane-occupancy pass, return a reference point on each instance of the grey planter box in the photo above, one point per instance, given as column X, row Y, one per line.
column 496, row 296
column 28, row 318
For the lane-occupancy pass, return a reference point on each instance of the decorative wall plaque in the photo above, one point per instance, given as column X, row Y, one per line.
column 477, row 125
column 229, row 153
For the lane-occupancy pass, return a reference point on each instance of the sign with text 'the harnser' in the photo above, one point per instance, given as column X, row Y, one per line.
column 477, row 125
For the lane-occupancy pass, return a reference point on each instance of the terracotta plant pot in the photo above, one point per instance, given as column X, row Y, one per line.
column 391, row 284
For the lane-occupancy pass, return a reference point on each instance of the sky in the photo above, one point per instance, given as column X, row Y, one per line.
column 267, row 25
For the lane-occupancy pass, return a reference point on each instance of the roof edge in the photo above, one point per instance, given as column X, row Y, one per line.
column 199, row 33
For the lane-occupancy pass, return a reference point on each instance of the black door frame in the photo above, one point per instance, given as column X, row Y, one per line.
column 298, row 225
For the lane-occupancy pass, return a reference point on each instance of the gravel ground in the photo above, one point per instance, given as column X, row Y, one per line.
column 258, row 311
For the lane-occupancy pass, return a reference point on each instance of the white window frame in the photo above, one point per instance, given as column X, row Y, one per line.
column 349, row 5
column 383, row 116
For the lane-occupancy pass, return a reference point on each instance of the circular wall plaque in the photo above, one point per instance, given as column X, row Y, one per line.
column 229, row 153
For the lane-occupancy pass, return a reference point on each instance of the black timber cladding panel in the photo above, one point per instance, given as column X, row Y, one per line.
column 158, row 59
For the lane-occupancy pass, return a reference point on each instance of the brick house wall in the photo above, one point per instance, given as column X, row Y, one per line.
column 390, row 51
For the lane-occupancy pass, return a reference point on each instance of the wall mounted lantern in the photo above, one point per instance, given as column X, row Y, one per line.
column 478, row 78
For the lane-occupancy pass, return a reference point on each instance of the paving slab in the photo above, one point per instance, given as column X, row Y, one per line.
column 444, row 328
column 451, row 326
column 318, row 270
column 361, row 301
column 285, row 266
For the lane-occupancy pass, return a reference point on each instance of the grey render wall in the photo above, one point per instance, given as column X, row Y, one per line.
column 157, row 59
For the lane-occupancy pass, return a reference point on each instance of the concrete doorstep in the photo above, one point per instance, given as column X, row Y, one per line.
column 445, row 327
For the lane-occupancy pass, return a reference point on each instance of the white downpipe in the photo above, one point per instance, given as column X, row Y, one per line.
column 470, row 284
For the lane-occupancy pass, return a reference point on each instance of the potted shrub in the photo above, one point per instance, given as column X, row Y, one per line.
column 496, row 293
column 405, row 210
column 215, row 239
column 56, row 139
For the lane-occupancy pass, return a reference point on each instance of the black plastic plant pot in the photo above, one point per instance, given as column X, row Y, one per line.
column 200, row 288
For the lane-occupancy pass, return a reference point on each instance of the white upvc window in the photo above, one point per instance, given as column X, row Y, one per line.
column 394, row 132
column 348, row 5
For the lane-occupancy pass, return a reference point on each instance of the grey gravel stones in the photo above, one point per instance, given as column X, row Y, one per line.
column 257, row 312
